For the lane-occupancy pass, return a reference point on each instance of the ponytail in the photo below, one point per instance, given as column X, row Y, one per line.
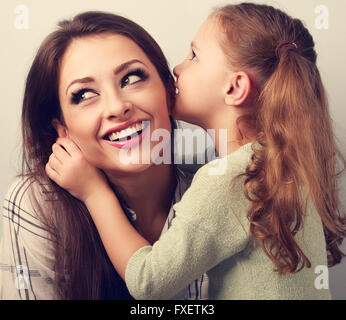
column 299, row 151
column 297, row 161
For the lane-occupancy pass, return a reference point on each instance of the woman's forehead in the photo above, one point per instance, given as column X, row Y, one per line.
column 115, row 47
column 91, row 56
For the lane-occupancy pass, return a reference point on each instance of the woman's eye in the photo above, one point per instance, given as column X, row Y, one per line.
column 82, row 95
column 133, row 77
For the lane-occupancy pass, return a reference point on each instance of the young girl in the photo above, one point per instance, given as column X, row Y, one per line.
column 260, row 228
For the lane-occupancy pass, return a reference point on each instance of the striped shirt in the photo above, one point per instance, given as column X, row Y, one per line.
column 27, row 250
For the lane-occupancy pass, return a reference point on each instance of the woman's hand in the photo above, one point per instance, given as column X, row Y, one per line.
column 70, row 170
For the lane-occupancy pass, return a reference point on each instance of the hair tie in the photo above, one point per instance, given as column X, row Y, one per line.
column 284, row 46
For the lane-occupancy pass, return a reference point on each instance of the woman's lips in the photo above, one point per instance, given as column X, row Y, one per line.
column 133, row 142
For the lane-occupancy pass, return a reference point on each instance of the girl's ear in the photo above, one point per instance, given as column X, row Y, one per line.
column 60, row 129
column 238, row 89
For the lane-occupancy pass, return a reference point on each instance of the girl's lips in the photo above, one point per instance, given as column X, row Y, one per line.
column 133, row 142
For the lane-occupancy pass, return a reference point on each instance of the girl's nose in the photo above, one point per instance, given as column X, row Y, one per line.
column 176, row 70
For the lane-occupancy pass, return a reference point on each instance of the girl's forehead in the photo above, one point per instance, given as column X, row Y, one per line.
column 209, row 30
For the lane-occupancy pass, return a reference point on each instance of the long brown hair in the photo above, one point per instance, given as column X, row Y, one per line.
column 298, row 158
column 82, row 267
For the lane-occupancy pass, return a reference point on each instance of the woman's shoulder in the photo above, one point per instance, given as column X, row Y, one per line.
column 27, row 243
column 18, row 192
column 23, row 188
column 25, row 201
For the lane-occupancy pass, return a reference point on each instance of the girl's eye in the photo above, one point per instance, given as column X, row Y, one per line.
column 82, row 95
column 192, row 56
column 133, row 77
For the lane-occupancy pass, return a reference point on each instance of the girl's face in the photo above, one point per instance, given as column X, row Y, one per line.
column 107, row 87
column 202, row 78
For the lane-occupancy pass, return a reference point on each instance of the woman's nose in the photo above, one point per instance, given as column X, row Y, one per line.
column 121, row 110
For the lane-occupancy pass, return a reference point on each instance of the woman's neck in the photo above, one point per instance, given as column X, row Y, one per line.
column 149, row 194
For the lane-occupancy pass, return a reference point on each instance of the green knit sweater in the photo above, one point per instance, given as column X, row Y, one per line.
column 211, row 233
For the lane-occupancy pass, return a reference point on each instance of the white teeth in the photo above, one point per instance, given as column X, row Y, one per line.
column 112, row 136
column 126, row 132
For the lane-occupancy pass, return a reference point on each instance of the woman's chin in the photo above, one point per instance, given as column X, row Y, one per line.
column 127, row 170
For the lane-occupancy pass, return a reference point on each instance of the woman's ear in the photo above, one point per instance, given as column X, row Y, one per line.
column 60, row 129
column 238, row 89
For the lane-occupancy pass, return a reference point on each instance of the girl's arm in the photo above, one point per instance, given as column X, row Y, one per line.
column 119, row 237
column 202, row 234
column 69, row 169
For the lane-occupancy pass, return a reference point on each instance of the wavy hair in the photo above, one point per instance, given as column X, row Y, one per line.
column 82, row 267
column 297, row 158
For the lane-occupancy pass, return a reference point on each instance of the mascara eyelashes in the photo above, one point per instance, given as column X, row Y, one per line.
column 131, row 78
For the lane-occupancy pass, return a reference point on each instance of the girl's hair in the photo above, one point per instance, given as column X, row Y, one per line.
column 297, row 157
column 82, row 266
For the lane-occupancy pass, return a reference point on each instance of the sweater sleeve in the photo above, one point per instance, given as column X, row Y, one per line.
column 204, row 232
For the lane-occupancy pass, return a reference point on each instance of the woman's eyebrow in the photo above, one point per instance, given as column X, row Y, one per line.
column 117, row 70
column 126, row 65
column 82, row 80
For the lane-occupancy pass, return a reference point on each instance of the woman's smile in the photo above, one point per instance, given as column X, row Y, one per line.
column 127, row 135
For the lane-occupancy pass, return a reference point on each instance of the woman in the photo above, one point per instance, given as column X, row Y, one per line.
column 94, row 80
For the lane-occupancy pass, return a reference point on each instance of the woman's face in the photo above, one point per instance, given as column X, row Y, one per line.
column 107, row 87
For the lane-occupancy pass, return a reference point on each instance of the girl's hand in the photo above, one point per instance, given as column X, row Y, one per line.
column 70, row 170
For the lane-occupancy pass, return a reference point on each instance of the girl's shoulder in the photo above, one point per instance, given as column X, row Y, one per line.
column 214, row 185
column 223, row 169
